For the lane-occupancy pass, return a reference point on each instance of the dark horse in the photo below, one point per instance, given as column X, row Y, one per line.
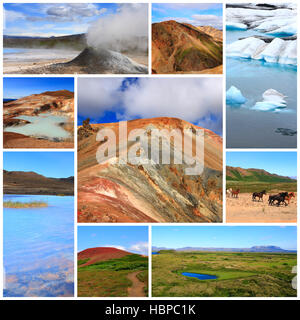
column 235, row 193
column 280, row 197
column 258, row 195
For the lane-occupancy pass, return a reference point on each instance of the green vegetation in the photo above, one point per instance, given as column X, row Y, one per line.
column 256, row 176
column 24, row 205
column 82, row 261
column 257, row 186
column 240, row 274
column 109, row 278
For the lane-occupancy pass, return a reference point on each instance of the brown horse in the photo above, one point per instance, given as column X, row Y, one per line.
column 290, row 196
column 235, row 193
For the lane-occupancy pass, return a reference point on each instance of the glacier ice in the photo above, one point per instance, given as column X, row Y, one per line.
column 234, row 96
column 277, row 51
column 282, row 21
column 272, row 101
column 236, row 26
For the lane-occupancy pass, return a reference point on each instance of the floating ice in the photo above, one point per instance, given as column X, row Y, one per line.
column 272, row 101
column 235, row 26
column 277, row 51
column 234, row 96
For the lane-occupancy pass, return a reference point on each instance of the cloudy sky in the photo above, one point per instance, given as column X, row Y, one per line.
column 53, row 19
column 196, row 100
column 197, row 14
column 132, row 239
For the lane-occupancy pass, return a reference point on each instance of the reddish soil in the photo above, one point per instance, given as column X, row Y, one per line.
column 13, row 140
column 101, row 254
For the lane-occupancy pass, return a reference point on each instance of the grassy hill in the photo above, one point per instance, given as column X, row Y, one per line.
column 251, row 180
column 109, row 278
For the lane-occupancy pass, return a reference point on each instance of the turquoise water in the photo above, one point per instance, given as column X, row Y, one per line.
column 199, row 276
column 247, row 128
column 13, row 50
column 42, row 126
column 39, row 247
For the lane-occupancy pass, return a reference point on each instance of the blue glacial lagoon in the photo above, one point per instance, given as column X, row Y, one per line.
column 249, row 128
column 39, row 247
column 42, row 126
column 199, row 276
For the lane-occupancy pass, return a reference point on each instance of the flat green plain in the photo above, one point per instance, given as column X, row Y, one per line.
column 239, row 274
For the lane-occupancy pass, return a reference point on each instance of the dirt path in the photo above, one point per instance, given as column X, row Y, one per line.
column 137, row 288
column 244, row 210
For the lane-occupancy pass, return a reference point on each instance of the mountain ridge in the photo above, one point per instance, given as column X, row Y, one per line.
column 262, row 249
column 253, row 174
column 29, row 182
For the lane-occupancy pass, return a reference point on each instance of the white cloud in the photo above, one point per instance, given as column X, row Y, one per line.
column 140, row 248
column 191, row 99
column 73, row 11
column 12, row 16
column 97, row 95
column 115, row 246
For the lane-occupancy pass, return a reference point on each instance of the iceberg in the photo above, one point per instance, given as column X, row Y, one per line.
column 277, row 51
column 234, row 96
column 272, row 101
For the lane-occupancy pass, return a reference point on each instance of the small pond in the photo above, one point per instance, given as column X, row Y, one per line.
column 199, row 276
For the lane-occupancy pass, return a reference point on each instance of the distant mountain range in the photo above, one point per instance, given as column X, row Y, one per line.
column 74, row 41
column 21, row 182
column 249, row 175
column 212, row 249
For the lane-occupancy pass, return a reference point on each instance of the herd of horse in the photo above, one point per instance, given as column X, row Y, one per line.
column 274, row 199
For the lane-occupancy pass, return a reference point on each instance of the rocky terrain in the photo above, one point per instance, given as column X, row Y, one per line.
column 21, row 182
column 110, row 192
column 93, row 255
column 181, row 47
column 50, row 103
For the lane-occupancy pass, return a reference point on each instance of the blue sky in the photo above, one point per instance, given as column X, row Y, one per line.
column 49, row 164
column 52, row 19
column 106, row 100
column 281, row 163
column 197, row 14
column 224, row 236
column 21, row 87
column 133, row 239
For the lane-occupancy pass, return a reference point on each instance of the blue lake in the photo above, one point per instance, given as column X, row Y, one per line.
column 42, row 126
column 38, row 247
column 199, row 276
column 249, row 128
column 155, row 252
